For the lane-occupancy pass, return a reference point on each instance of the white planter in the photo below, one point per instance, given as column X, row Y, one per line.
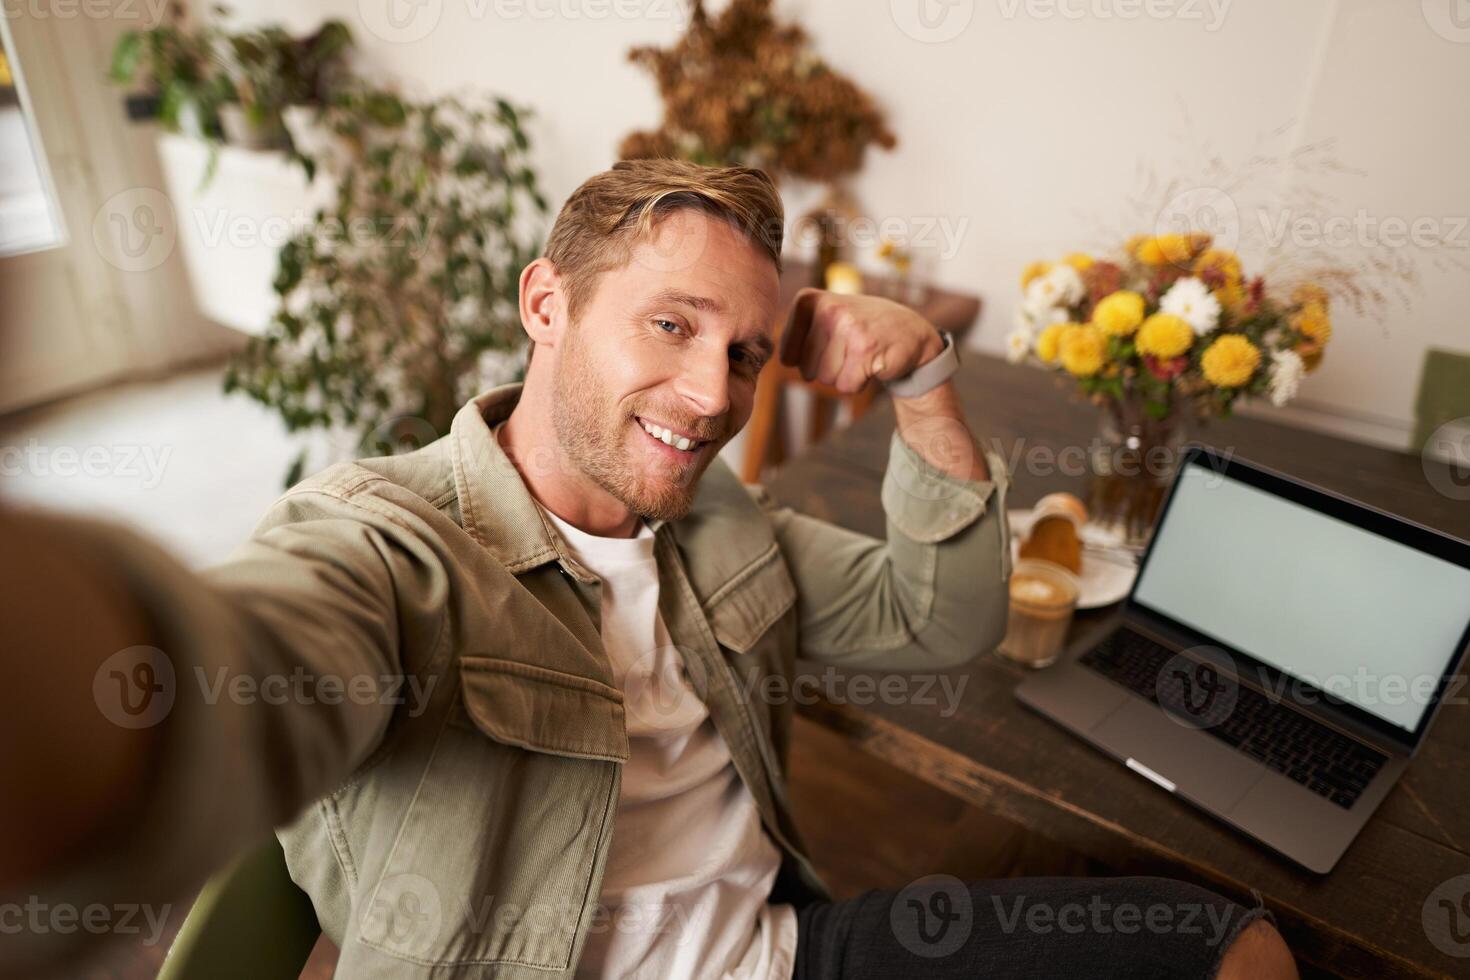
column 231, row 228
column 241, row 131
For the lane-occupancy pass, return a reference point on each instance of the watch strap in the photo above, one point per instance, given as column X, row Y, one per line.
column 929, row 375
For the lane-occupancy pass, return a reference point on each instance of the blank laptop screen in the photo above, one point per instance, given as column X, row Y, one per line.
column 1367, row 619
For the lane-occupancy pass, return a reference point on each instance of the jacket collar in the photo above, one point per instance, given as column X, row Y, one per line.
column 496, row 508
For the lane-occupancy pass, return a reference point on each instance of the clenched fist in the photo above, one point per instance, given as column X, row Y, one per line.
column 843, row 341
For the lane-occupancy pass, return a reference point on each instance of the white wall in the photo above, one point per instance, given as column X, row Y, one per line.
column 1031, row 129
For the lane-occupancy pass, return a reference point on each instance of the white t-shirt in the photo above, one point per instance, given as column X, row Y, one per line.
column 691, row 868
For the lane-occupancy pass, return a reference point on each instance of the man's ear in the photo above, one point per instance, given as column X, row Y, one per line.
column 543, row 309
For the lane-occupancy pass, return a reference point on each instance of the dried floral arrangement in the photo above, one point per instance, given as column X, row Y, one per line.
column 741, row 89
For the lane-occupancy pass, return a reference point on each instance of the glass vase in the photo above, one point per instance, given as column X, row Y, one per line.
column 1134, row 459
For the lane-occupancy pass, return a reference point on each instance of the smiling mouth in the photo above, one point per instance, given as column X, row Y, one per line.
column 679, row 443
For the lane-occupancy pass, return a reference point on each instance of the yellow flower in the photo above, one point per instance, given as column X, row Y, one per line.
column 1049, row 341
column 1232, row 297
column 1164, row 335
column 1230, row 361
column 1313, row 321
column 1082, row 349
column 1033, row 271
column 1308, row 294
column 1079, row 261
column 1220, row 261
column 1171, row 249
column 1119, row 314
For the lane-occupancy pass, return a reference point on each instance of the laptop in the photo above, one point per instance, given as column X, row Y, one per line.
column 1279, row 658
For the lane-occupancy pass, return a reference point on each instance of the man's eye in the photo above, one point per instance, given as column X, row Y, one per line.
column 746, row 359
column 667, row 326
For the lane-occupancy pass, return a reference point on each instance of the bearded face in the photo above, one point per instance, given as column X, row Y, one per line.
column 659, row 370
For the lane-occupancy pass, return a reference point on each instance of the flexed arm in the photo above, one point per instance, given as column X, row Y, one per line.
column 934, row 593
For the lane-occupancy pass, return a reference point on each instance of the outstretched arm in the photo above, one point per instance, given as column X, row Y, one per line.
column 154, row 727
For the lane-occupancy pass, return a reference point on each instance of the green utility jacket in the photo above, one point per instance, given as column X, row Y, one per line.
column 407, row 650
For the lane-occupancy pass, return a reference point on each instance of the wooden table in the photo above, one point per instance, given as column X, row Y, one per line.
column 1362, row 920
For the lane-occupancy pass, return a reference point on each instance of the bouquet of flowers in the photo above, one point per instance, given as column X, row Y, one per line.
column 1170, row 329
column 1171, row 323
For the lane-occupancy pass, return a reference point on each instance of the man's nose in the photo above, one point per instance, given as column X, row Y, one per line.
column 704, row 383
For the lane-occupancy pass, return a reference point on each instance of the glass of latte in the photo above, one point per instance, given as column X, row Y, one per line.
column 1043, row 598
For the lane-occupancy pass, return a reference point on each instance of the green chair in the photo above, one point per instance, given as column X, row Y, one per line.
column 250, row 922
column 1444, row 394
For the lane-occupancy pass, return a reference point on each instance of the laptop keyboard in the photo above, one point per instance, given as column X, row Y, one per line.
column 1324, row 760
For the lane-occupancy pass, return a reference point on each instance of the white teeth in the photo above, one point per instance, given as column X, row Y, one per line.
column 668, row 438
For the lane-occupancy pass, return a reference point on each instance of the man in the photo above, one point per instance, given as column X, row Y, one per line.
column 560, row 623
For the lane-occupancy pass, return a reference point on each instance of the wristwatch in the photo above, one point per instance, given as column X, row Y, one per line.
column 929, row 375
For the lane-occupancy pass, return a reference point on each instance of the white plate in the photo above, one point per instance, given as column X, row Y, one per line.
column 1106, row 576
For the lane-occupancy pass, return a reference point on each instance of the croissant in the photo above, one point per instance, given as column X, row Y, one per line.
column 1054, row 534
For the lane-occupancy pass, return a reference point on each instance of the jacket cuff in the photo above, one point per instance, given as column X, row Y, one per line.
column 928, row 505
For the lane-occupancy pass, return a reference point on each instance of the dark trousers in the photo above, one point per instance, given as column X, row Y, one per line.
column 1052, row 928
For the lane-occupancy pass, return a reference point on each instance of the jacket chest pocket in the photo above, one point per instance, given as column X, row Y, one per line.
column 497, row 854
column 752, row 620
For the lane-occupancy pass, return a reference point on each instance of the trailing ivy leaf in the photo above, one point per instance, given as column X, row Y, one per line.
column 126, row 55
column 297, row 469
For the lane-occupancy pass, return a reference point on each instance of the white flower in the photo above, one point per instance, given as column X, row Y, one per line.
column 1054, row 315
column 1024, row 319
column 1191, row 300
column 1061, row 286
column 1036, row 301
column 1286, row 376
column 1018, row 344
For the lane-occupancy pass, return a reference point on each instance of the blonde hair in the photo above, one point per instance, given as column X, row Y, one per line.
column 602, row 220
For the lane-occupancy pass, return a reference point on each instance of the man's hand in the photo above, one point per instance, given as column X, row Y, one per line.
column 845, row 341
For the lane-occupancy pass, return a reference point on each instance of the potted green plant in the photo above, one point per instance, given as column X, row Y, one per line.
column 395, row 303
column 234, row 87
column 180, row 70
column 272, row 71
